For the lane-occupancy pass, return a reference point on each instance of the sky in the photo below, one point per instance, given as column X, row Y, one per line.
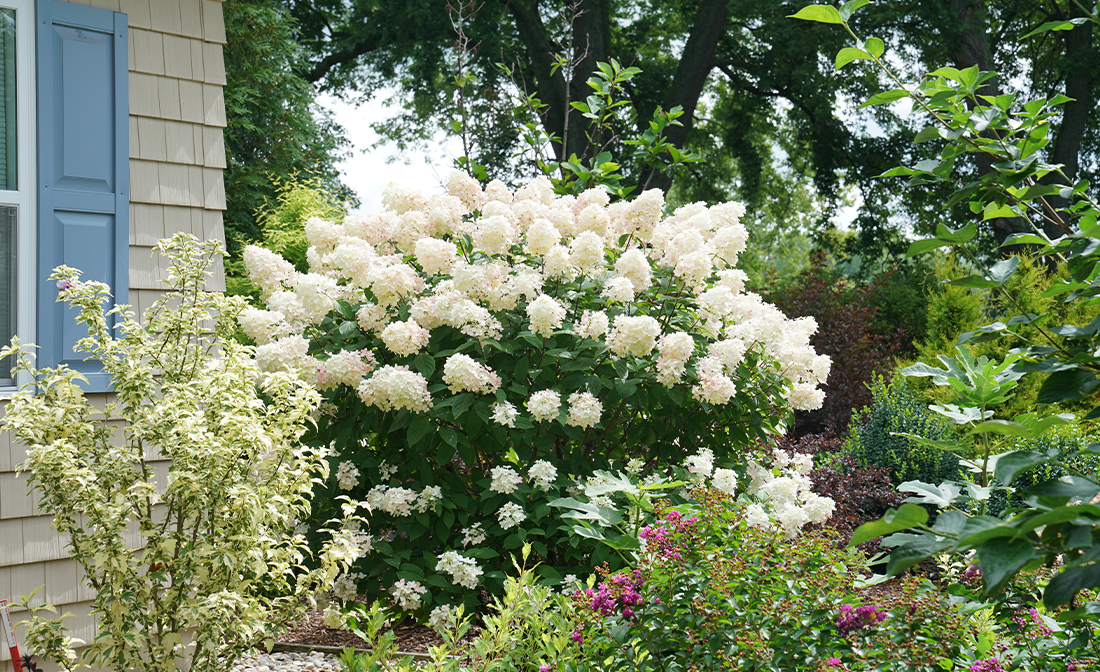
column 368, row 170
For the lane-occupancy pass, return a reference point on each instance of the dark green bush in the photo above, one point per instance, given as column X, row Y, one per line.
column 896, row 408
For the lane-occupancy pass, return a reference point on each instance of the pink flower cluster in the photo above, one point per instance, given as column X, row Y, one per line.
column 618, row 593
column 852, row 619
column 662, row 538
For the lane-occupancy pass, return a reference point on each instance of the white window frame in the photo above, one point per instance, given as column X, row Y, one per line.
column 26, row 295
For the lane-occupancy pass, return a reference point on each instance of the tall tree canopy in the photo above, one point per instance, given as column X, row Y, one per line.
column 762, row 103
column 275, row 132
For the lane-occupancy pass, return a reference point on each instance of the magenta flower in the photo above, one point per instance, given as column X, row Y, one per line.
column 832, row 661
column 858, row 618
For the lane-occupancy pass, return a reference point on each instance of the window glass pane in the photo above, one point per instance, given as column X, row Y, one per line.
column 8, row 222
column 7, row 99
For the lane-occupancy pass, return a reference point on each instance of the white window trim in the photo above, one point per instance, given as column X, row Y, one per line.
column 25, row 198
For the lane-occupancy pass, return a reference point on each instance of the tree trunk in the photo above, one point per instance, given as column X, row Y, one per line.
column 691, row 75
column 972, row 48
column 1077, row 69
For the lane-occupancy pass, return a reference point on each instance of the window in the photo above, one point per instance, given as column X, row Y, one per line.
column 17, row 207
column 64, row 191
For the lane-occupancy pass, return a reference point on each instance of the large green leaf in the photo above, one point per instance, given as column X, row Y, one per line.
column 1063, row 587
column 919, row 549
column 1000, row 559
column 1067, row 385
column 941, row 496
column 909, row 515
column 819, row 13
column 1011, row 464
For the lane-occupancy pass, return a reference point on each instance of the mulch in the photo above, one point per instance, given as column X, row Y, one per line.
column 312, row 631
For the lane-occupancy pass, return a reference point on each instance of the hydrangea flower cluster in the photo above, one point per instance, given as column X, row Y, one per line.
column 857, row 618
column 783, row 494
column 408, row 256
column 407, row 594
column 464, row 571
column 787, row 500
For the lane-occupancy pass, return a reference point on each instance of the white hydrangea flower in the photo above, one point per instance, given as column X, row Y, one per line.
column 756, row 516
column 427, row 498
column 584, row 410
column 462, row 374
column 405, row 338
column 347, row 475
column 473, row 535
column 806, row 397
column 542, row 237
column 586, row 251
column 619, row 289
column 633, row 335
column 346, row 587
column 333, row 618
column 544, row 405
column 267, row 269
column 818, row 508
column 398, row 501
column 386, row 470
column 701, row 463
column 464, row 571
column 466, row 189
column 542, row 474
column 634, row 266
column 592, row 324
column 725, row 480
column 510, row 515
column 396, row 387
column 546, row 315
column 288, row 353
column 495, row 235
column 435, row 255
column 263, row 326
column 791, row 518
column 407, row 594
column 714, row 386
column 505, row 480
column 347, row 367
column 733, row 278
column 442, row 619
column 504, row 413
column 558, row 262
column 372, row 317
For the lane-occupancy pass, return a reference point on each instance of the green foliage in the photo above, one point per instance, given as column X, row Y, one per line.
column 218, row 560
column 284, row 227
column 276, row 133
column 952, row 309
column 876, row 435
column 956, row 309
column 711, row 592
column 526, row 627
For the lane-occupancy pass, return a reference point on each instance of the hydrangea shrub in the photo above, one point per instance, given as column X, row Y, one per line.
column 480, row 351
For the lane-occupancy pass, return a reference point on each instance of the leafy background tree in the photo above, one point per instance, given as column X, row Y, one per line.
column 276, row 132
column 762, row 103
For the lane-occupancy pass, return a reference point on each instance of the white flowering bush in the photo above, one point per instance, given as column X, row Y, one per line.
column 493, row 344
column 218, row 561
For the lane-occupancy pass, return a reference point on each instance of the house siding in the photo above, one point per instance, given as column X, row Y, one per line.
column 177, row 153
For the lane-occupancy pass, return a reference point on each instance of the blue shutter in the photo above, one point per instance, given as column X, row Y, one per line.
column 83, row 168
